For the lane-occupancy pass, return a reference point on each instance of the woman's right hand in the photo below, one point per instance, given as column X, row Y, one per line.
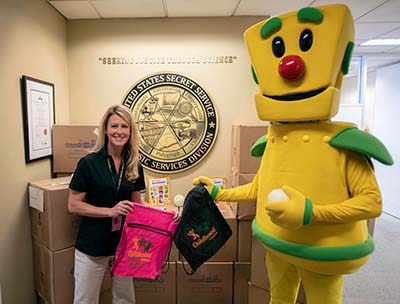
column 122, row 208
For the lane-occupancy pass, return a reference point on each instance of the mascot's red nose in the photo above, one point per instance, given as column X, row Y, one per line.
column 291, row 67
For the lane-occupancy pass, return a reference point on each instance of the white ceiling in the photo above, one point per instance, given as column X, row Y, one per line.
column 373, row 18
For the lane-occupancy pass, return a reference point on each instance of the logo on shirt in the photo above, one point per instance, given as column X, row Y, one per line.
column 176, row 119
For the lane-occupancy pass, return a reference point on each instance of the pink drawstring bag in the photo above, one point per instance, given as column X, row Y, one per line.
column 145, row 243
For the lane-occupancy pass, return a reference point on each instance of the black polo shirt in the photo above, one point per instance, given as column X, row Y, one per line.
column 93, row 176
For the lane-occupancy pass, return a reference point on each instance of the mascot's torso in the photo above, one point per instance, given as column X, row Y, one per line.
column 299, row 155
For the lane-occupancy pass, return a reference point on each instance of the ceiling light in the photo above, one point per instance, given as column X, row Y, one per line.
column 382, row 42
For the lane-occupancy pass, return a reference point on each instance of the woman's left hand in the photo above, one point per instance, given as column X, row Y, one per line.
column 123, row 207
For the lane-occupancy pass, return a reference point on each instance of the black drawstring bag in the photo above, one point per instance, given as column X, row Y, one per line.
column 202, row 230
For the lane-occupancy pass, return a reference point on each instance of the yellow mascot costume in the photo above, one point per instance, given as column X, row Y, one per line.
column 315, row 187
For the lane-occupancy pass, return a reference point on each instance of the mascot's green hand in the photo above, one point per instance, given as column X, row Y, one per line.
column 289, row 208
column 208, row 184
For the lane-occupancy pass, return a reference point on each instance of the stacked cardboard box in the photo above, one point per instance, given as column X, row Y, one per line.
column 159, row 291
column 149, row 291
column 51, row 224
column 54, row 273
column 54, row 232
column 243, row 138
column 228, row 252
column 212, row 284
column 245, row 211
column 71, row 143
column 241, row 278
column 244, row 169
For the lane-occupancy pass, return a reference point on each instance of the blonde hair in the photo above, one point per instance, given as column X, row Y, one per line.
column 131, row 148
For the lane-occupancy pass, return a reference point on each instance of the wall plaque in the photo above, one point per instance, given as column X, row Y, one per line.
column 176, row 119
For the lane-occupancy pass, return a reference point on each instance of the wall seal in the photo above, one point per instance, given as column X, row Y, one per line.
column 177, row 121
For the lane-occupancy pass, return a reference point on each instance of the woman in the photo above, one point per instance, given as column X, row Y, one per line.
column 102, row 190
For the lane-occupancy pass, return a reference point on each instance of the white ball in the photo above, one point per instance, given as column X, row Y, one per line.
column 179, row 199
column 277, row 195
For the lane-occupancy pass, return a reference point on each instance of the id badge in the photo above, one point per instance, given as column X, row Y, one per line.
column 116, row 223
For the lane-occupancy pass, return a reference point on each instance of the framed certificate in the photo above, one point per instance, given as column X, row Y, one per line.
column 38, row 117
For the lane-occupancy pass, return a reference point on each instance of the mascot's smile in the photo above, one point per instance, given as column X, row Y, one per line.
column 295, row 97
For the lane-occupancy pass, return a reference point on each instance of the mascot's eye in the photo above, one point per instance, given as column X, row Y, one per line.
column 306, row 40
column 278, row 47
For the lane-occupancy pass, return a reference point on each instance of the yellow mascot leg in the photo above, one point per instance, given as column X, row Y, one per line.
column 284, row 280
column 321, row 288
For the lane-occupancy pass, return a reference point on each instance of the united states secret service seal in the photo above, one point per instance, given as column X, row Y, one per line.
column 177, row 121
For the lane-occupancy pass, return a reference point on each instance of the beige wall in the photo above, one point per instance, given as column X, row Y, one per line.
column 33, row 43
column 94, row 86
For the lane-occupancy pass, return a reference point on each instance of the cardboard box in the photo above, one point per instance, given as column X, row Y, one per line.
column 243, row 138
column 259, row 274
column 70, row 144
column 212, row 284
column 54, row 274
column 158, row 291
column 241, row 282
column 244, row 209
column 106, row 296
column 174, row 253
column 257, row 295
column 244, row 240
column 228, row 252
column 51, row 224
column 239, row 179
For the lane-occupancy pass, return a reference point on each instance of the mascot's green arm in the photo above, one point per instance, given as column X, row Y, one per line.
column 350, row 138
column 362, row 142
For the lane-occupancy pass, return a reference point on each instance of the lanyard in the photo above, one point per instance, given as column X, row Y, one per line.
column 121, row 172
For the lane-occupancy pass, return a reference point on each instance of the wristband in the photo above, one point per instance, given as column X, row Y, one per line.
column 214, row 192
column 307, row 212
